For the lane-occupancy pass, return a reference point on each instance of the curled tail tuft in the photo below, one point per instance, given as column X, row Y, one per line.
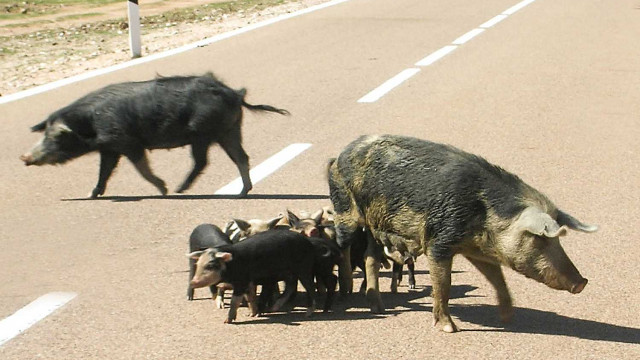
column 243, row 92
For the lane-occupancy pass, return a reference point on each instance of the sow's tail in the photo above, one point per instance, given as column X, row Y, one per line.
column 243, row 92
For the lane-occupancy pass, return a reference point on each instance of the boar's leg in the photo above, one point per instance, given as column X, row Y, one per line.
column 199, row 153
column 494, row 274
column 140, row 161
column 372, row 259
column 108, row 162
column 440, row 271
column 233, row 147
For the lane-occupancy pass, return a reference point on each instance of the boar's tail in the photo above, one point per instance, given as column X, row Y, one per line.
column 243, row 92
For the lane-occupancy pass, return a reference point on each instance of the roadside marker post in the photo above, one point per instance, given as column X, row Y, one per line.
column 134, row 29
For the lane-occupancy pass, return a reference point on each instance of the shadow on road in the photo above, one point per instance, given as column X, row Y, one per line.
column 527, row 321
column 531, row 321
column 205, row 197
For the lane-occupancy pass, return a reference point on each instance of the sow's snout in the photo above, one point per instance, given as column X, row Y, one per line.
column 577, row 288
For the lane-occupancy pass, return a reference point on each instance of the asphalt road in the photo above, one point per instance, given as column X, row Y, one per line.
column 551, row 93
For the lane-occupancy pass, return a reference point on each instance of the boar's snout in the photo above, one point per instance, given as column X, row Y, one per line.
column 27, row 158
column 577, row 288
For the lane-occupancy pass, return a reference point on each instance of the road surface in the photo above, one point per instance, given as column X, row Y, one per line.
column 549, row 90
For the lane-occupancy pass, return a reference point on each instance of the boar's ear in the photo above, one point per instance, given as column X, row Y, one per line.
column 195, row 255
column 39, row 127
column 575, row 224
column 224, row 256
column 271, row 224
column 243, row 225
column 539, row 223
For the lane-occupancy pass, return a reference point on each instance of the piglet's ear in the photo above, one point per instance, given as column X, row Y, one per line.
column 273, row 222
column 224, row 256
column 536, row 222
column 317, row 216
column 242, row 225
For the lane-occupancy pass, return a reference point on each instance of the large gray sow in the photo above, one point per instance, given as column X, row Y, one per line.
column 417, row 196
column 128, row 118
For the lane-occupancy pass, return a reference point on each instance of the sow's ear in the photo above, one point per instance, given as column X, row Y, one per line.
column 539, row 223
column 39, row 127
column 575, row 224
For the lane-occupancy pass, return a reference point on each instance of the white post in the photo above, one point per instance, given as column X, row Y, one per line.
column 134, row 29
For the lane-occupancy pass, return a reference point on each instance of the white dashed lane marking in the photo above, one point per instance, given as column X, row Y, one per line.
column 404, row 75
column 37, row 310
column 265, row 168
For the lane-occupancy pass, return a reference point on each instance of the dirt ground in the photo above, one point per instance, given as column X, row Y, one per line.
column 75, row 39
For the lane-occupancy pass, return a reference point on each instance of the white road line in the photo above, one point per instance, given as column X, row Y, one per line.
column 265, row 169
column 468, row 36
column 142, row 60
column 388, row 85
column 437, row 55
column 516, row 7
column 381, row 90
column 37, row 310
column 496, row 19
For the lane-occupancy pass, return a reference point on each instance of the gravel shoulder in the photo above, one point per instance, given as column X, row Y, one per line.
column 81, row 38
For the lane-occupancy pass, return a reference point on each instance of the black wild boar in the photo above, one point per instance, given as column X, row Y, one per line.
column 128, row 118
column 206, row 236
column 417, row 196
column 266, row 257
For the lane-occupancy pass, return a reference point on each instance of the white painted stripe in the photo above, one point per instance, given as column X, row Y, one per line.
column 468, row 36
column 98, row 72
column 496, row 19
column 37, row 310
column 437, row 55
column 388, row 85
column 265, row 169
column 517, row 7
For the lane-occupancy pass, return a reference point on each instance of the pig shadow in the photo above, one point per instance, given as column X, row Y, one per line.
column 354, row 307
column 531, row 321
column 205, row 197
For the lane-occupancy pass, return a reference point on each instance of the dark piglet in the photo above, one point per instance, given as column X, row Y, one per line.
column 129, row 118
column 415, row 196
column 202, row 237
column 274, row 255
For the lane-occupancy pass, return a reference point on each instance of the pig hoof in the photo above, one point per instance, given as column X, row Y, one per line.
column 96, row 192
column 228, row 321
column 449, row 328
column 506, row 315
